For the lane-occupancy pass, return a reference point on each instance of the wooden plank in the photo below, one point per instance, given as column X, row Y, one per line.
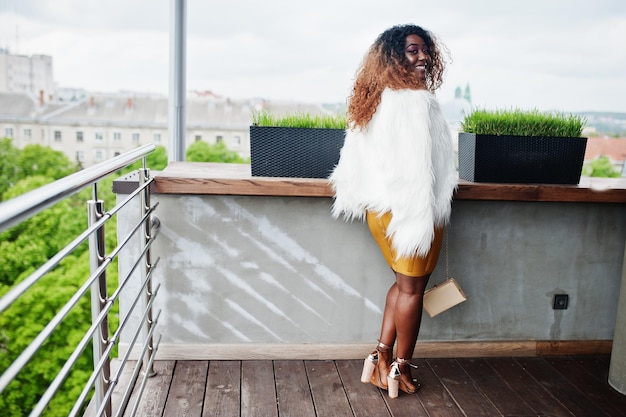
column 433, row 395
column 597, row 190
column 223, row 390
column 598, row 368
column 596, row 365
column 495, row 388
column 564, row 391
column 152, row 403
column 258, row 392
column 406, row 405
column 599, row 394
column 186, row 395
column 521, row 382
column 233, row 179
column 292, row 389
column 122, row 384
column 468, row 397
column 118, row 390
column 329, row 397
column 366, row 399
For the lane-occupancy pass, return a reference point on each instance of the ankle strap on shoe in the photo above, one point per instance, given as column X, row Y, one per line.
column 401, row 361
column 381, row 347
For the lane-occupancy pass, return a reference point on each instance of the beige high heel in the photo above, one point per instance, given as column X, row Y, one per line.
column 376, row 364
column 401, row 379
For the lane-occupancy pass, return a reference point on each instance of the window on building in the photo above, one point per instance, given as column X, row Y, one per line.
column 117, row 136
column 99, row 136
column 198, row 138
column 28, row 133
column 117, row 153
column 135, row 137
column 79, row 136
column 57, row 136
column 8, row 132
column 80, row 156
column 157, row 138
column 219, row 139
column 98, row 156
column 237, row 140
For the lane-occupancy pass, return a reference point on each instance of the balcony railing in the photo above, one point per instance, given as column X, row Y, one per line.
column 100, row 334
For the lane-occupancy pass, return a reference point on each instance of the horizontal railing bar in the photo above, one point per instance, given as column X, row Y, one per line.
column 34, row 346
column 67, row 367
column 56, row 383
column 23, row 207
column 120, row 328
column 108, row 305
column 13, row 294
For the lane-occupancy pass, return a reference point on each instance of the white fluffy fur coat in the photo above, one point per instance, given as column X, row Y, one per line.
column 402, row 162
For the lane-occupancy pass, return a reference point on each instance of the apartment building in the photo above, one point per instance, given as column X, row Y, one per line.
column 26, row 74
column 92, row 127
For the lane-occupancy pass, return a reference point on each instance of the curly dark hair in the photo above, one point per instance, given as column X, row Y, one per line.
column 385, row 65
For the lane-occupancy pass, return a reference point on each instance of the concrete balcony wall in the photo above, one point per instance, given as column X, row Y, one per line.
column 239, row 270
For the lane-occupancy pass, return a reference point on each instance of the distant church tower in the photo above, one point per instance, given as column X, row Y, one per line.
column 468, row 94
column 455, row 110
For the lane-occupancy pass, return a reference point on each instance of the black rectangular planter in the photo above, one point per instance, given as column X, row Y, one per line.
column 521, row 159
column 294, row 152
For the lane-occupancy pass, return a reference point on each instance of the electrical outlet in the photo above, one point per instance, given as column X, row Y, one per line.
column 560, row 301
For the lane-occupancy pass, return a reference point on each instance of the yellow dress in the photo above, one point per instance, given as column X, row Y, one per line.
column 412, row 266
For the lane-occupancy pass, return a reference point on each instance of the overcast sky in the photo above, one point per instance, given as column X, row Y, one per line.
column 566, row 55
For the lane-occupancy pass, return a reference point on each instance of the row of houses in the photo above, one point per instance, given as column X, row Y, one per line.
column 92, row 127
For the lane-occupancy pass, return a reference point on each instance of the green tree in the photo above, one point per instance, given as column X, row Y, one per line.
column 201, row 151
column 601, row 167
column 155, row 160
column 9, row 169
column 42, row 160
column 32, row 242
column 24, row 248
column 23, row 321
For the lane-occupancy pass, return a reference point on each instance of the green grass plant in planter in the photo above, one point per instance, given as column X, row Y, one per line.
column 298, row 145
column 299, row 120
column 516, row 146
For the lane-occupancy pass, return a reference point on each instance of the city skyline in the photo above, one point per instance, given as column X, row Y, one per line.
column 565, row 55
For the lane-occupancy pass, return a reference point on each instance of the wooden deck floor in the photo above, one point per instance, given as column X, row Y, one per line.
column 503, row 386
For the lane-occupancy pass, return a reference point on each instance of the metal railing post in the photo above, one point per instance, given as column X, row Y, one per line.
column 99, row 296
column 144, row 175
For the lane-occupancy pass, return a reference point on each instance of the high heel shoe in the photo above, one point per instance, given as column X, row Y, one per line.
column 376, row 365
column 400, row 378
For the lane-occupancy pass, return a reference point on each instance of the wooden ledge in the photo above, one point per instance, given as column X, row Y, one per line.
column 236, row 179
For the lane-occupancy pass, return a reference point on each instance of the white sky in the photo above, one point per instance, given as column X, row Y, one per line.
column 566, row 55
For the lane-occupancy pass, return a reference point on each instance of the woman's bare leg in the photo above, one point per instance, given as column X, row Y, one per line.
column 403, row 313
column 388, row 328
column 408, row 312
